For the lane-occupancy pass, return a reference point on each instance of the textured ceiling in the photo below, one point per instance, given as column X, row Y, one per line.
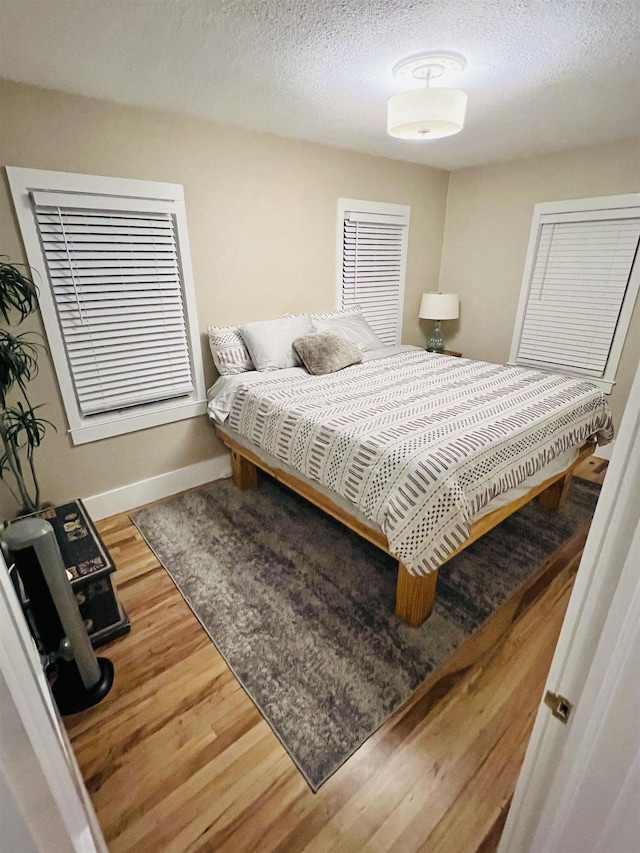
column 542, row 75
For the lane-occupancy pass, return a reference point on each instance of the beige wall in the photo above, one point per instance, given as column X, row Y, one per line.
column 262, row 226
column 489, row 210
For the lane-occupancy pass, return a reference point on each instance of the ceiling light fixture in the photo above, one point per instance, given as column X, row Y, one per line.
column 427, row 113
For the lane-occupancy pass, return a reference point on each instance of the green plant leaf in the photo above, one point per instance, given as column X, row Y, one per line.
column 22, row 426
column 21, row 430
column 17, row 291
column 18, row 364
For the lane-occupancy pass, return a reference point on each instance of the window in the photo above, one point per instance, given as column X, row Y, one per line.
column 111, row 257
column 579, row 287
column 372, row 260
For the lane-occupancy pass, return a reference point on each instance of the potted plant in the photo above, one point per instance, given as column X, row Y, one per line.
column 21, row 430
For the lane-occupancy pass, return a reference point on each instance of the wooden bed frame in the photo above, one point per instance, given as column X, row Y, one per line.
column 415, row 594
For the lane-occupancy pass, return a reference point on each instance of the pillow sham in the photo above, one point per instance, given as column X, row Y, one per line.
column 270, row 341
column 320, row 315
column 353, row 327
column 325, row 352
column 228, row 350
column 339, row 312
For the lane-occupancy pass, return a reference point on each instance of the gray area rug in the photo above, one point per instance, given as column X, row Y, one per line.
column 302, row 609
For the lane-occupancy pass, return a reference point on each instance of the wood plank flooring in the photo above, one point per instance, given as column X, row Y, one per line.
column 177, row 758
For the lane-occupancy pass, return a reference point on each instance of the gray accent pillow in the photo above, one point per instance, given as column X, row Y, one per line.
column 326, row 352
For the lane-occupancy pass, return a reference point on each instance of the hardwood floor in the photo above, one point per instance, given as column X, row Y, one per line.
column 177, row 758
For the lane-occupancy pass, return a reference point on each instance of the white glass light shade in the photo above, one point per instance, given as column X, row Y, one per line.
column 439, row 306
column 426, row 113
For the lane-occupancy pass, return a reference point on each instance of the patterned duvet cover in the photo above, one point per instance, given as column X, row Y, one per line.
column 420, row 443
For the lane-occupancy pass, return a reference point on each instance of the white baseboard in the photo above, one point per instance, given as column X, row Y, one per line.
column 606, row 451
column 155, row 488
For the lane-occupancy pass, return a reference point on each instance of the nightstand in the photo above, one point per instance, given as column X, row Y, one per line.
column 447, row 352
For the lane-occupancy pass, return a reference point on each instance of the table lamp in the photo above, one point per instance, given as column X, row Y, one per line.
column 438, row 306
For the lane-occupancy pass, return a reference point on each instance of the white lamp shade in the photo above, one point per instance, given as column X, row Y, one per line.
column 439, row 306
column 426, row 113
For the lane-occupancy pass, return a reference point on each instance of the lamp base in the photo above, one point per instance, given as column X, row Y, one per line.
column 435, row 343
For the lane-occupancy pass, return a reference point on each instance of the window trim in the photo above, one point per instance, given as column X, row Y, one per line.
column 402, row 211
column 569, row 210
column 83, row 429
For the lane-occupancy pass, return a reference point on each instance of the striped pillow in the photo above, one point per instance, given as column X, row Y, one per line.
column 228, row 350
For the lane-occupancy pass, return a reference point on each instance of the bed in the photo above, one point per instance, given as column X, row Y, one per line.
column 419, row 453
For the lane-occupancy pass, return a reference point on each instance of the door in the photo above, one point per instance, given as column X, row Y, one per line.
column 46, row 808
column 580, row 782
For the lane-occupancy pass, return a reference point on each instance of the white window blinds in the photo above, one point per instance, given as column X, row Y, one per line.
column 374, row 246
column 578, row 284
column 116, row 283
column 579, row 280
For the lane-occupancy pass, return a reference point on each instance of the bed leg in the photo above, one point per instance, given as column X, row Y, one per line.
column 415, row 595
column 243, row 472
column 556, row 495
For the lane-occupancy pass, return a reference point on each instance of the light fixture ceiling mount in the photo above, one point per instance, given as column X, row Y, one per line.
column 429, row 66
column 427, row 113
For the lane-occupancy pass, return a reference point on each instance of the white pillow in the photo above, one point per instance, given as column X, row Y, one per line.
column 270, row 341
column 353, row 327
column 339, row 312
column 320, row 315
